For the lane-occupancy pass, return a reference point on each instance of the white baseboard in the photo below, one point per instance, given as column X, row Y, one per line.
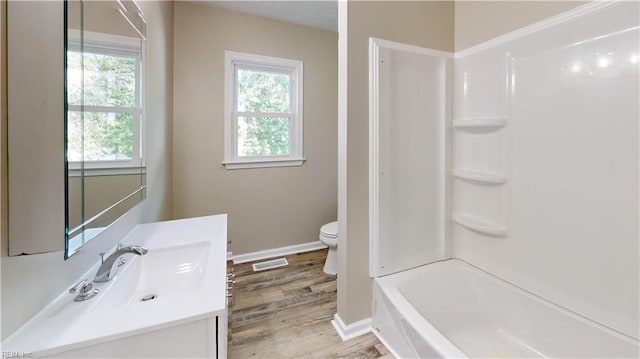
column 353, row 330
column 277, row 252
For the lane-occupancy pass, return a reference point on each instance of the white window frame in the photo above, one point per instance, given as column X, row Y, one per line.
column 109, row 44
column 233, row 60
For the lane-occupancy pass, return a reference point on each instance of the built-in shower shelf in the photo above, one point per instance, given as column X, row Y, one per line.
column 479, row 226
column 480, row 177
column 480, row 124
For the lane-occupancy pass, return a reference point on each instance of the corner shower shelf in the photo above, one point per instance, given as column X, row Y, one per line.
column 479, row 226
column 480, row 124
column 480, row 177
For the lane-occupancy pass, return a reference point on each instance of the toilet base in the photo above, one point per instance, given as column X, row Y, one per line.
column 331, row 263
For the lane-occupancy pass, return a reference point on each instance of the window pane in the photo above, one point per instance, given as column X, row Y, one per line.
column 107, row 136
column 74, row 78
column 109, row 80
column 263, row 91
column 74, row 136
column 263, row 136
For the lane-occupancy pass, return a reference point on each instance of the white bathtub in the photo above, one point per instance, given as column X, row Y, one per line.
column 451, row 309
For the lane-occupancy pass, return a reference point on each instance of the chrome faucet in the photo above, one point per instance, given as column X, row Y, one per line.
column 109, row 267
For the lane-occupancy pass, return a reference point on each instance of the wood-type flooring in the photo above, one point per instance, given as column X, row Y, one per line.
column 286, row 312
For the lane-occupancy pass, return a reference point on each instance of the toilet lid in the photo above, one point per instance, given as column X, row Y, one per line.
column 329, row 229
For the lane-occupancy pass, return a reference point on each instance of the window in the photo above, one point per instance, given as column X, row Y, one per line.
column 104, row 102
column 263, row 111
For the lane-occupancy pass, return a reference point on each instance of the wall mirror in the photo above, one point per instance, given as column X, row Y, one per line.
column 105, row 172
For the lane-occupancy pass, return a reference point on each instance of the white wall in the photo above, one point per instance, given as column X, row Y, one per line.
column 31, row 282
column 267, row 207
column 570, row 154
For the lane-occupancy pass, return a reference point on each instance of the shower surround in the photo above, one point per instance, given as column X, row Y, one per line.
column 541, row 162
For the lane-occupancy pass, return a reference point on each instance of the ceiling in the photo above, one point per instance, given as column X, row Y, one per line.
column 317, row 14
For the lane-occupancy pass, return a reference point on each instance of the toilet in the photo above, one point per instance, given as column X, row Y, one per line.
column 329, row 237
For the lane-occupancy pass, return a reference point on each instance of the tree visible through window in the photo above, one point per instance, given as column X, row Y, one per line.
column 267, row 93
column 264, row 110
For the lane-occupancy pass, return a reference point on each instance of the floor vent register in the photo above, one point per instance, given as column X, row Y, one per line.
column 274, row 263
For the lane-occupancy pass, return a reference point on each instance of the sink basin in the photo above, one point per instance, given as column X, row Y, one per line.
column 161, row 272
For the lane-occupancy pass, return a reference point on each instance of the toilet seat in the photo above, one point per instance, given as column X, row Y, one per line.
column 329, row 230
column 329, row 241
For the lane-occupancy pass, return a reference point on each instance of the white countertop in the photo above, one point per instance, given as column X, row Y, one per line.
column 66, row 325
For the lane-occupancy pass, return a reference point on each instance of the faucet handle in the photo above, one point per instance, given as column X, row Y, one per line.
column 85, row 289
column 83, row 286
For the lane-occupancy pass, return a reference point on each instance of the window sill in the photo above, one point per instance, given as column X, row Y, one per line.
column 107, row 171
column 236, row 165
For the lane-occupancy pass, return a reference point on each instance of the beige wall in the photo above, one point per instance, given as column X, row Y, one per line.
column 479, row 21
column 45, row 276
column 427, row 24
column 267, row 207
column 101, row 192
column 4, row 204
column 99, row 16
column 158, row 103
column 35, row 111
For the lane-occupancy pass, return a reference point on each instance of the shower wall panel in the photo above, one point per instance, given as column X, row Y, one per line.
column 545, row 162
column 411, row 132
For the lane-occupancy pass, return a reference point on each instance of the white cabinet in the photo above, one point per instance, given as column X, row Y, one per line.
column 204, row 338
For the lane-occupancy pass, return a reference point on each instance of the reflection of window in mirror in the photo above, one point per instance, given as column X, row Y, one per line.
column 104, row 103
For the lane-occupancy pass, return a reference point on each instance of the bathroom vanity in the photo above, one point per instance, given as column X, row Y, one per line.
column 170, row 302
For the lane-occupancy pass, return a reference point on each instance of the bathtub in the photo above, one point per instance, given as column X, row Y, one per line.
column 451, row 309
